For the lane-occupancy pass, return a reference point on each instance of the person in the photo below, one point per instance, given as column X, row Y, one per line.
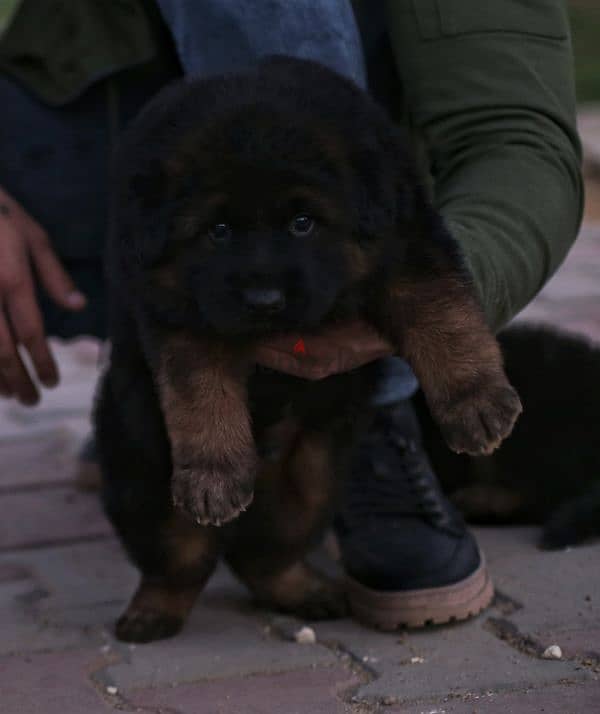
column 486, row 92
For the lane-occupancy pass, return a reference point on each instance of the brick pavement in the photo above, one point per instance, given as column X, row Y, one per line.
column 64, row 579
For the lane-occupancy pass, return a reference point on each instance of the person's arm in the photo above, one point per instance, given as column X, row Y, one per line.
column 489, row 87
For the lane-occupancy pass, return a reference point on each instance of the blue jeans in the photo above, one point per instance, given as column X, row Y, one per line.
column 56, row 159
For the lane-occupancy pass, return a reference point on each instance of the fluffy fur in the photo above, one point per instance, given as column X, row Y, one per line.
column 548, row 471
column 278, row 199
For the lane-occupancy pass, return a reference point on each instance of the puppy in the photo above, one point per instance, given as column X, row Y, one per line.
column 280, row 199
column 555, row 443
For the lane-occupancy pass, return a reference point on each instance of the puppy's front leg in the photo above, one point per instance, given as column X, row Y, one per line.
column 201, row 385
column 439, row 328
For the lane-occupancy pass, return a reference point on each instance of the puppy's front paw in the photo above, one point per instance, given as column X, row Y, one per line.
column 212, row 494
column 479, row 420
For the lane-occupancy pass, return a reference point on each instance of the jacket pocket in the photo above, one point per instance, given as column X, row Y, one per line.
column 452, row 18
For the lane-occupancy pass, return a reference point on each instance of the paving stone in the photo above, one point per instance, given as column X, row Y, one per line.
column 69, row 399
column 9, row 572
column 224, row 637
column 81, row 590
column 77, row 357
column 73, row 397
column 572, row 317
column 463, row 659
column 50, row 515
column 305, row 691
column 51, row 683
column 500, row 544
column 588, row 124
column 570, row 299
column 567, row 699
column 559, row 590
column 43, row 458
column 21, row 631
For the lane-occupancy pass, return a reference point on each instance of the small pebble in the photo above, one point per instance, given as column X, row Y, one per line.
column 112, row 691
column 552, row 652
column 417, row 660
column 305, row 636
column 389, row 701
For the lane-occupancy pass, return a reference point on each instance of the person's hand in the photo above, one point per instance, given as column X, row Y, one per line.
column 337, row 349
column 24, row 246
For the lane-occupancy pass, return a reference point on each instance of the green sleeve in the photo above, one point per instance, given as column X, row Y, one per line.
column 489, row 88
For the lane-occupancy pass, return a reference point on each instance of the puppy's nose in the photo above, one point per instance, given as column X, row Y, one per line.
column 264, row 299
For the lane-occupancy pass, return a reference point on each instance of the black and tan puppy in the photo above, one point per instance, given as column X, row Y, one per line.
column 280, row 199
column 548, row 472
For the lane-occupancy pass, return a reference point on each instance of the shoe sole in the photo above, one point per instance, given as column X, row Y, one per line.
column 420, row 608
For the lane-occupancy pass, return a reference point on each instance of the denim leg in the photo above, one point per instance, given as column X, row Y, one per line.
column 216, row 36
column 397, row 382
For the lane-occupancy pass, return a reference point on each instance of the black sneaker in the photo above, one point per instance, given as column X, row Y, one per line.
column 409, row 558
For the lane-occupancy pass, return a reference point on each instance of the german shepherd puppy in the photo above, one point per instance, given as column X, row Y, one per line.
column 275, row 200
column 548, row 472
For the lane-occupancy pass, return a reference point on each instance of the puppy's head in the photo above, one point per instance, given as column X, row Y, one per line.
column 265, row 222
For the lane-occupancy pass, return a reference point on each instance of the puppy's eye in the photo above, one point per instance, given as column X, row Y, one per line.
column 302, row 226
column 220, row 233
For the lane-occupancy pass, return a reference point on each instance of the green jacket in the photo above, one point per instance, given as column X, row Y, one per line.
column 487, row 90
column 489, row 87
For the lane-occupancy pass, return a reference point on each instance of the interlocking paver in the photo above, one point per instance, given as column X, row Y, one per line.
column 48, row 457
column 224, row 637
column 305, row 691
column 559, row 591
column 465, row 659
column 82, row 574
column 571, row 299
column 52, row 515
column 51, row 683
column 21, row 631
column 565, row 699
column 588, row 122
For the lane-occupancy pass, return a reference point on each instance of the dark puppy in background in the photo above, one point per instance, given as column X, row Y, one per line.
column 548, row 471
column 280, row 199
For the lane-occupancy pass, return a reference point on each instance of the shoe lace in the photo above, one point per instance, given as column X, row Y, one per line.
column 401, row 482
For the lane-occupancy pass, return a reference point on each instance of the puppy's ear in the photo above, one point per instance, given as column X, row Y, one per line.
column 149, row 209
column 389, row 194
column 375, row 198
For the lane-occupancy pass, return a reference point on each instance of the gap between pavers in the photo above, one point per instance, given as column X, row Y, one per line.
column 579, row 698
column 461, row 660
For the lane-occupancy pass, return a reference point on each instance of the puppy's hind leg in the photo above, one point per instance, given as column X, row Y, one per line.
column 174, row 555
column 164, row 599
column 291, row 508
